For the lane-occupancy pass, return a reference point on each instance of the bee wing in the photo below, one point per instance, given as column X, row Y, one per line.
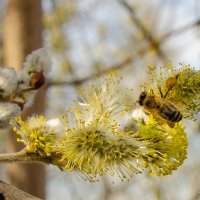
column 180, row 106
column 169, row 107
column 161, row 101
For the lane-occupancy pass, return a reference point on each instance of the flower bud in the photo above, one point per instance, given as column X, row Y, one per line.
column 37, row 80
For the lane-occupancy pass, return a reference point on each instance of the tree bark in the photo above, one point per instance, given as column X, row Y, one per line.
column 22, row 35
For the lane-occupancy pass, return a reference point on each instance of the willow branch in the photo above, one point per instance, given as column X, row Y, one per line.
column 22, row 156
column 179, row 30
column 127, row 60
column 9, row 192
column 154, row 43
column 78, row 82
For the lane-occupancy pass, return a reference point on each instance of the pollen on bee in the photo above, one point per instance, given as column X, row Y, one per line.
column 171, row 82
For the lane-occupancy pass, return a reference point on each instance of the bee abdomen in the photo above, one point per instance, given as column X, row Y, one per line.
column 175, row 116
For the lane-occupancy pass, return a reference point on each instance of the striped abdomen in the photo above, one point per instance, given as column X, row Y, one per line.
column 169, row 112
column 164, row 109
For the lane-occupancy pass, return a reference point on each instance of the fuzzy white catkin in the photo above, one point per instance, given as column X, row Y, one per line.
column 24, row 79
column 57, row 125
column 135, row 119
column 8, row 81
column 139, row 115
column 7, row 112
column 38, row 61
column 29, row 98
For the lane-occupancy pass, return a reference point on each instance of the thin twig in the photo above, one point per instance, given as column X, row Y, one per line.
column 118, row 66
column 78, row 82
column 154, row 43
column 179, row 30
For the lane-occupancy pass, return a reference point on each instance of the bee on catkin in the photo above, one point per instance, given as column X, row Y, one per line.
column 160, row 106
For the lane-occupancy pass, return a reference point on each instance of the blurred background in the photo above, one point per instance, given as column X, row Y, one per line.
column 88, row 38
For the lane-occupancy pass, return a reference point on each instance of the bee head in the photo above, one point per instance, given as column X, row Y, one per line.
column 142, row 97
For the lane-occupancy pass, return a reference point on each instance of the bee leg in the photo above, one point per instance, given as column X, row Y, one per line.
column 171, row 124
column 166, row 93
column 177, row 76
column 161, row 94
column 170, row 83
column 151, row 90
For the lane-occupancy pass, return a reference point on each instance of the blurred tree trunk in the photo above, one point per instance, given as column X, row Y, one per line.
column 23, row 34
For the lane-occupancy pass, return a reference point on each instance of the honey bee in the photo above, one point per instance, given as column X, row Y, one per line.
column 160, row 107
